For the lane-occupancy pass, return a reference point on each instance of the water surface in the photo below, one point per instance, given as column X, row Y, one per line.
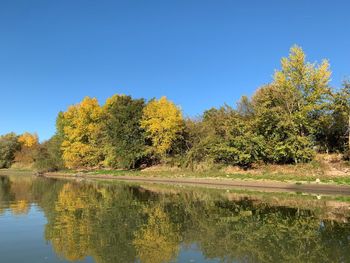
column 49, row 220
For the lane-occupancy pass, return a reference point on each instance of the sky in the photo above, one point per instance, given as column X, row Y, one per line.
column 200, row 54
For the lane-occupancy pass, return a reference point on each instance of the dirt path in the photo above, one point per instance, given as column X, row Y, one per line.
column 261, row 185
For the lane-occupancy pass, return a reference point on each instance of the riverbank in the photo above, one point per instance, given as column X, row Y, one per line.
column 327, row 173
column 261, row 185
column 262, row 182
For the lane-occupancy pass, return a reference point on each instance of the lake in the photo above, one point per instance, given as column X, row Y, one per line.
column 53, row 220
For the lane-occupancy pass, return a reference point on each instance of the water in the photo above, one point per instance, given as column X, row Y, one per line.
column 47, row 220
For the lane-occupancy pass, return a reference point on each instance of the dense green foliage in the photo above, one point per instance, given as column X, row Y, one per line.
column 286, row 121
column 337, row 133
column 125, row 139
column 9, row 145
column 48, row 157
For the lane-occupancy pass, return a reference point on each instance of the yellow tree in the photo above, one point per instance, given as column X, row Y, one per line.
column 82, row 134
column 28, row 140
column 163, row 123
column 29, row 143
column 306, row 83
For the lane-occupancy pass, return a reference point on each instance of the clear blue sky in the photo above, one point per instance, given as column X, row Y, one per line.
column 197, row 53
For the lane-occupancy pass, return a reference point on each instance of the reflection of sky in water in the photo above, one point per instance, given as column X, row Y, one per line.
column 21, row 238
column 193, row 254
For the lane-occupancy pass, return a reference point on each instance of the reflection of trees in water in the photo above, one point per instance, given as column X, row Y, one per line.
column 14, row 196
column 69, row 233
column 157, row 241
column 93, row 221
column 21, row 207
column 18, row 192
column 5, row 193
column 119, row 223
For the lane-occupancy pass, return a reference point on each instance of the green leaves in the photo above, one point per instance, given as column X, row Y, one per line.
column 9, row 145
column 125, row 139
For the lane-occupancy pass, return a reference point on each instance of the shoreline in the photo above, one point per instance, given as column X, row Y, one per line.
column 260, row 184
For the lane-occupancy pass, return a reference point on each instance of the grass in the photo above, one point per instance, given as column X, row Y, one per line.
column 219, row 174
column 300, row 173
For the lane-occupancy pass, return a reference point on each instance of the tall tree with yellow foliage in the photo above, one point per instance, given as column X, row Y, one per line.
column 82, row 134
column 163, row 123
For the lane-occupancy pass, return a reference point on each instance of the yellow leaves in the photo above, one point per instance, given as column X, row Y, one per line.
column 77, row 154
column 82, row 131
column 308, row 82
column 323, row 73
column 112, row 100
column 85, row 126
column 25, row 157
column 295, row 61
column 28, row 140
column 162, row 121
column 298, row 73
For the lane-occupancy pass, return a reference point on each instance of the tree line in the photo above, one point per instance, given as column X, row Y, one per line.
column 286, row 121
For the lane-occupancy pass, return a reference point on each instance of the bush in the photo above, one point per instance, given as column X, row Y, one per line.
column 9, row 145
column 48, row 157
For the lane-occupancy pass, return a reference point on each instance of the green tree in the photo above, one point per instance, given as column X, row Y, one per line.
column 231, row 138
column 48, row 157
column 9, row 145
column 288, row 112
column 341, row 116
column 285, row 139
column 125, row 139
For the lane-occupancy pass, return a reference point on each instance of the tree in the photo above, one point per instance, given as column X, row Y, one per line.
column 29, row 144
column 285, row 139
column 48, row 157
column 163, row 123
column 9, row 145
column 341, row 115
column 82, row 134
column 230, row 138
column 28, row 140
column 288, row 112
column 125, row 138
column 303, row 88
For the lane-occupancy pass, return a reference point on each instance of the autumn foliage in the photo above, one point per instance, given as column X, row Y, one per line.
column 286, row 121
column 82, row 134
